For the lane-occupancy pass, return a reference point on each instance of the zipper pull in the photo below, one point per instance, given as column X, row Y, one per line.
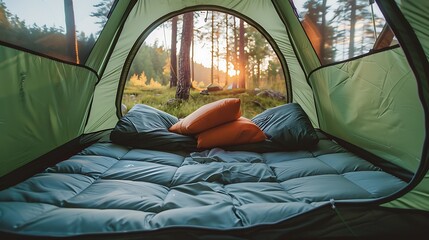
column 332, row 201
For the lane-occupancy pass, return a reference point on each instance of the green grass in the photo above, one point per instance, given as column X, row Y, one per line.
column 163, row 99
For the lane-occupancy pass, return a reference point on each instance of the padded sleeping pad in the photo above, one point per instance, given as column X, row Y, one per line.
column 108, row 188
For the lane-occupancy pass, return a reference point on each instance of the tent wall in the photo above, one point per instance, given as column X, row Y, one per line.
column 147, row 13
column 380, row 102
column 415, row 12
column 409, row 21
column 370, row 102
column 44, row 105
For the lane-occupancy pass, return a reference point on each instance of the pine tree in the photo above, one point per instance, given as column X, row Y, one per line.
column 71, row 39
column 173, row 53
column 184, row 78
column 350, row 12
column 242, row 57
column 102, row 13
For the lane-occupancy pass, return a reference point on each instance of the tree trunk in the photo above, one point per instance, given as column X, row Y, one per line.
column 227, row 53
column 192, row 58
column 71, row 40
column 234, row 83
column 212, row 56
column 184, row 80
column 173, row 54
column 258, row 72
column 323, row 33
column 352, row 27
column 242, row 61
column 217, row 55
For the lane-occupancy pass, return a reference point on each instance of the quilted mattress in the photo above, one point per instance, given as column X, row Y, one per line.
column 108, row 188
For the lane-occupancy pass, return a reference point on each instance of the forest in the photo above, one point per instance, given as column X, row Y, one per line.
column 60, row 39
column 207, row 53
column 343, row 29
column 217, row 59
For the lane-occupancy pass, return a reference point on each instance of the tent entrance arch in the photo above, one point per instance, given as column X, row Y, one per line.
column 151, row 66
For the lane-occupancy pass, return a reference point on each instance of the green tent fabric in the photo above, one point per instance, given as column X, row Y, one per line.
column 378, row 102
column 416, row 43
column 45, row 104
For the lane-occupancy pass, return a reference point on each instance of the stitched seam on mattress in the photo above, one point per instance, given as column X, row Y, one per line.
column 313, row 174
column 120, row 158
column 371, row 194
column 245, row 174
column 339, row 173
column 65, row 202
column 287, row 192
column 95, row 179
column 342, row 174
column 174, row 175
column 117, row 161
column 233, row 206
column 31, row 221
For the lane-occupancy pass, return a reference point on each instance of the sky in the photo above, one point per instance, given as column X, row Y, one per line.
column 43, row 12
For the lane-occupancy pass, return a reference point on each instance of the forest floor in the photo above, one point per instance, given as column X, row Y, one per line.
column 253, row 102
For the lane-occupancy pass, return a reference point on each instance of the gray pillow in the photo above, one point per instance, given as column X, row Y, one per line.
column 287, row 125
column 147, row 127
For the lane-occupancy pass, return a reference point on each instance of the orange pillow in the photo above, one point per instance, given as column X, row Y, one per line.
column 236, row 132
column 208, row 116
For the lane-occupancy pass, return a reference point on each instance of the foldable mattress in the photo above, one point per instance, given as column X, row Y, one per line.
column 109, row 188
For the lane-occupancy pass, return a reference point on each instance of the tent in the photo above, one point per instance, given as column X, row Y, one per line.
column 377, row 102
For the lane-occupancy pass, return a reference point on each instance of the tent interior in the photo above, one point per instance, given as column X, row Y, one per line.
column 342, row 154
